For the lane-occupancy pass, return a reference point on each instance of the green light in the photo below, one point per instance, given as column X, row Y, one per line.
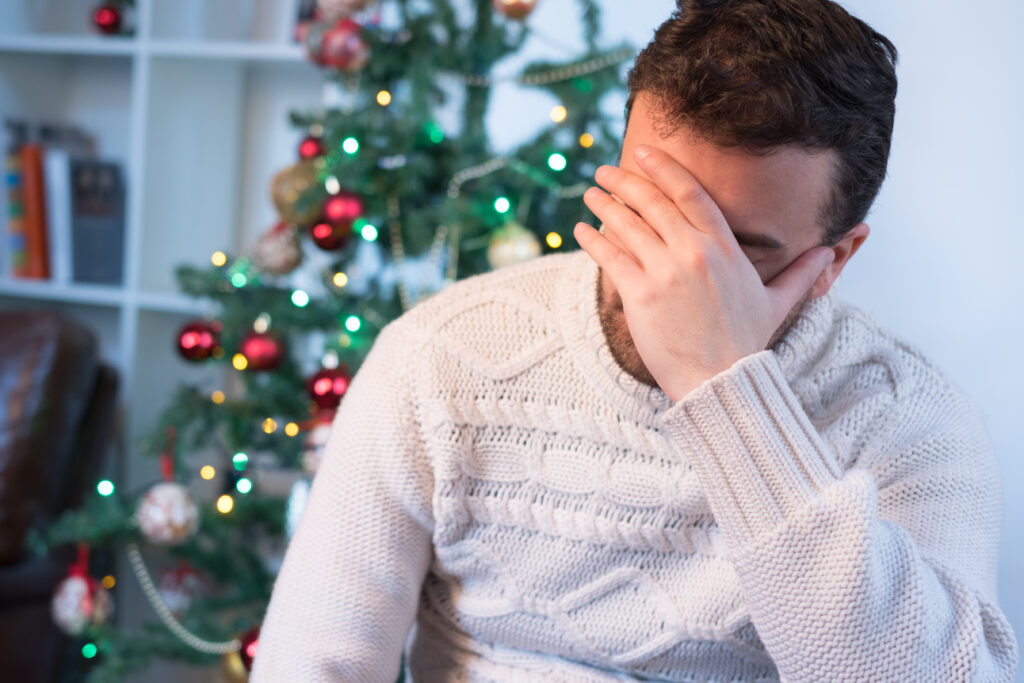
column 350, row 145
column 353, row 323
column 240, row 461
column 89, row 650
column 300, row 298
column 434, row 133
column 244, row 485
column 105, row 487
column 502, row 205
column 557, row 162
column 239, row 280
column 583, row 84
column 369, row 233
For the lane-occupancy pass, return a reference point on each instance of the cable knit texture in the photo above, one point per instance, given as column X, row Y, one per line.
column 500, row 501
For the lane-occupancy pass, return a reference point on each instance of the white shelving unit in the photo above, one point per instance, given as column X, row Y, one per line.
column 194, row 106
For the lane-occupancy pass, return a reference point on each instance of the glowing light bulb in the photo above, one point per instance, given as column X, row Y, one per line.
column 207, row 472
column 219, row 258
column 586, row 140
column 340, row 279
column 350, row 145
column 554, row 240
column 239, row 362
column 557, row 162
column 291, row 429
column 225, row 504
column 300, row 298
column 105, row 488
column 244, row 485
column 502, row 205
column 383, row 98
column 558, row 114
column 217, row 397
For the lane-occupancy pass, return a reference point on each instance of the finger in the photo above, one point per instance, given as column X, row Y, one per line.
column 618, row 263
column 684, row 190
column 646, row 199
column 636, row 235
column 788, row 287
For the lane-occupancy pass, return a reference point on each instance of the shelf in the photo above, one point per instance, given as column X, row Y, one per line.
column 241, row 51
column 69, row 45
column 171, row 303
column 96, row 295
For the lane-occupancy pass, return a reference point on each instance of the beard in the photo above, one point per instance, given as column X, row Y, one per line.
column 620, row 341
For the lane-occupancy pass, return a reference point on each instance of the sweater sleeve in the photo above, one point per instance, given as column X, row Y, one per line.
column 883, row 572
column 346, row 596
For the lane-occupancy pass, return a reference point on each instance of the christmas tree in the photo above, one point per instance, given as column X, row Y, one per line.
column 381, row 209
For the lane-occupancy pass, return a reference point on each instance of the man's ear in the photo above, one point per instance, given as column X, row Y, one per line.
column 844, row 250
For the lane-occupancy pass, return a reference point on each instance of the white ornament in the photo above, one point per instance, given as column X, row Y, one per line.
column 511, row 244
column 167, row 514
column 179, row 588
column 79, row 602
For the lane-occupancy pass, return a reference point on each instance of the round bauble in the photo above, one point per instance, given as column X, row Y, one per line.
column 107, row 18
column 343, row 208
column 511, row 244
column 167, row 514
column 311, row 147
column 515, row 9
column 290, row 190
column 78, row 602
column 329, row 236
column 279, row 250
column 327, row 386
column 342, row 47
column 197, row 340
column 262, row 350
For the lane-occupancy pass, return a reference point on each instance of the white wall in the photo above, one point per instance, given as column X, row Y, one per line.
column 939, row 267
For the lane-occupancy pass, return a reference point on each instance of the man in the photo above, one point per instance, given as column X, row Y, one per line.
column 675, row 455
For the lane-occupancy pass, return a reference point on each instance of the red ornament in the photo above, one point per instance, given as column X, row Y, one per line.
column 515, row 9
column 107, row 18
column 328, row 386
column 310, row 147
column 343, row 208
column 197, row 340
column 342, row 46
column 262, row 351
column 329, row 237
column 250, row 641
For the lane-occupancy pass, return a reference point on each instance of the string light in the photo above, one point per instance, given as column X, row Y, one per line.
column 340, row 279
column 353, row 323
column 300, row 298
column 262, row 323
column 586, row 140
column 383, row 98
column 344, row 340
column 240, row 461
column 554, row 240
column 207, row 472
column 109, row 581
column 558, row 114
column 270, row 425
column 217, row 397
column 239, row 280
column 219, row 258
column 502, row 205
column 369, row 233
column 105, row 488
column 350, row 145
column 89, row 650
column 225, row 503
column 434, row 132
column 244, row 485
column 557, row 162
column 332, row 185
column 239, row 362
column 291, row 429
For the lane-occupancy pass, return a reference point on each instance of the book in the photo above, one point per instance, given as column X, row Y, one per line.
column 37, row 259
column 57, row 178
column 16, row 243
column 97, row 222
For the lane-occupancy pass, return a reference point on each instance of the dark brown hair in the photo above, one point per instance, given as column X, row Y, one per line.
column 762, row 73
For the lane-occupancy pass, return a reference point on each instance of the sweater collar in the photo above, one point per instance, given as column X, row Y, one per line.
column 592, row 355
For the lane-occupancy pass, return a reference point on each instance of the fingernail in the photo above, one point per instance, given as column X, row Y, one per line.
column 641, row 151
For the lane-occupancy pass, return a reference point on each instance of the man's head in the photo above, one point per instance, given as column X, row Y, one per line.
column 783, row 111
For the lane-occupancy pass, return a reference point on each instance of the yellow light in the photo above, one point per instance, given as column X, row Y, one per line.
column 344, row 340
column 558, row 114
column 240, row 362
column 225, row 503
column 586, row 140
column 109, row 581
column 383, row 98
column 217, row 397
column 207, row 472
column 340, row 279
column 219, row 258
column 291, row 429
column 270, row 425
column 554, row 240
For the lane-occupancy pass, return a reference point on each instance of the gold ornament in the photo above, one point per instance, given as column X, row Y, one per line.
column 288, row 188
column 232, row 667
column 511, row 244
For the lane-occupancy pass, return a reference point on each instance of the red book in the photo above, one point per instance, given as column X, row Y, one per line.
column 37, row 260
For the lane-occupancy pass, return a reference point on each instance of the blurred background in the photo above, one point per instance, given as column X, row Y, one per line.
column 184, row 111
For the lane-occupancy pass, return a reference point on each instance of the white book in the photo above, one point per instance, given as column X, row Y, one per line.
column 57, row 179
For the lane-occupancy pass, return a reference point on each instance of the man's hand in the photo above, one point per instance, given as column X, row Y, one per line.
column 693, row 302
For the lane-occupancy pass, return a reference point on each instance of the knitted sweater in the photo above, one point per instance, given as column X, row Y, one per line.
column 500, row 501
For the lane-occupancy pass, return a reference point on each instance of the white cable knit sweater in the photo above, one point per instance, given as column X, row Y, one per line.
column 826, row 510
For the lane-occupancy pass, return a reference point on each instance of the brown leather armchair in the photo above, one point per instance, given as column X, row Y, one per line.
column 57, row 404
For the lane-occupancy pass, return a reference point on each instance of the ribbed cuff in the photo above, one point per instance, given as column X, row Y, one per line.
column 753, row 447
